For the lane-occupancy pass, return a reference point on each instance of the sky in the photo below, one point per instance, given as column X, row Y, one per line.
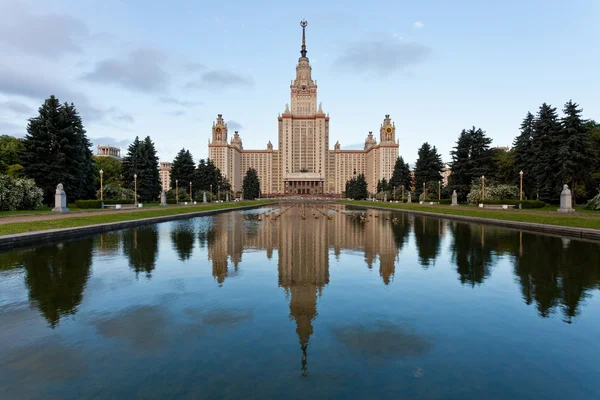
column 167, row 68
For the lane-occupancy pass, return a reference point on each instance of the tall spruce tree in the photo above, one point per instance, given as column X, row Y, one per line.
column 141, row 160
column 401, row 175
column 576, row 156
column 546, row 141
column 524, row 156
column 57, row 150
column 471, row 158
column 251, row 185
column 356, row 187
column 428, row 167
column 183, row 169
column 208, row 175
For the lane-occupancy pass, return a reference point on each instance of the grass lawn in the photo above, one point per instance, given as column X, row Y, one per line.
column 543, row 216
column 70, row 222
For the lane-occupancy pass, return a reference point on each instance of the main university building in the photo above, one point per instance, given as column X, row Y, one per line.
column 303, row 162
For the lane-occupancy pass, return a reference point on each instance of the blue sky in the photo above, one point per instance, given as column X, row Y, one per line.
column 167, row 68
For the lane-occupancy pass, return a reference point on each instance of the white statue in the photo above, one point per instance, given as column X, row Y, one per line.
column 60, row 199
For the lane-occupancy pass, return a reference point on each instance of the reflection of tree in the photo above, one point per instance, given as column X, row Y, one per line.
column 428, row 240
column 108, row 243
column 140, row 246
column 182, row 236
column 401, row 230
column 473, row 257
column 556, row 272
column 56, row 277
column 207, row 236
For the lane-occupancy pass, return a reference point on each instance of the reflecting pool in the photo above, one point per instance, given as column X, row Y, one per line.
column 302, row 301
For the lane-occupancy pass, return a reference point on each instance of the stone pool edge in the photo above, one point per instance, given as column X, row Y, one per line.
column 10, row 241
column 581, row 233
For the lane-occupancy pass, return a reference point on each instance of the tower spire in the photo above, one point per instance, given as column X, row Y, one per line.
column 303, row 24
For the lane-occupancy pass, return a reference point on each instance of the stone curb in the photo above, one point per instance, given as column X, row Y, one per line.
column 583, row 233
column 8, row 242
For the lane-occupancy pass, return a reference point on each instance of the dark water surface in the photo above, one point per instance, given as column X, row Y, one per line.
column 240, row 305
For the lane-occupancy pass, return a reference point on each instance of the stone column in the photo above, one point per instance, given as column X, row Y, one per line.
column 566, row 202
column 60, row 199
column 454, row 198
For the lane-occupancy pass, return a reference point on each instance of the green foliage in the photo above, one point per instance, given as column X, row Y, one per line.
column 576, row 155
column 382, row 185
column 10, row 156
column 431, row 192
column 401, row 175
column 594, row 204
column 184, row 195
column 471, row 158
column 141, row 159
column 183, row 169
column 446, row 201
column 356, row 188
column 123, row 201
column 428, row 167
column 209, row 176
column 524, row 156
column 251, row 185
column 546, row 140
column 19, row 194
column 88, row 204
column 115, row 192
column 111, row 170
column 57, row 150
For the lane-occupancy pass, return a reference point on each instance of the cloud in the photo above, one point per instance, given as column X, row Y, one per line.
column 381, row 341
column 220, row 79
column 418, row 25
column 18, row 107
column 6, row 128
column 140, row 70
column 177, row 113
column 48, row 35
column 182, row 103
column 382, row 56
column 194, row 67
column 234, row 125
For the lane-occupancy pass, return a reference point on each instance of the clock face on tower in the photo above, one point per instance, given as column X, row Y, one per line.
column 303, row 87
column 388, row 130
column 218, row 129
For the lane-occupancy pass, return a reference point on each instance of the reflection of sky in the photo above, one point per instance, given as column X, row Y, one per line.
column 181, row 334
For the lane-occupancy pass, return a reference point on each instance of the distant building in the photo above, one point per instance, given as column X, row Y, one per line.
column 164, row 170
column 446, row 172
column 505, row 148
column 109, row 151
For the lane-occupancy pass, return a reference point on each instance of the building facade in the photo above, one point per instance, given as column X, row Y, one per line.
column 303, row 164
column 164, row 171
column 108, row 151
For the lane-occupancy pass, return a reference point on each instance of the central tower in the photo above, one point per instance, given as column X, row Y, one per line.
column 303, row 134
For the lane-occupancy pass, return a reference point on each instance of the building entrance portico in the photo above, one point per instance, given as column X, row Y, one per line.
column 304, row 187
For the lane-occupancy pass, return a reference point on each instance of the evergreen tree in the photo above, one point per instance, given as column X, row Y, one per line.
column 428, row 167
column 356, row 188
column 57, row 150
column 251, row 185
column 183, row 169
column 524, row 157
column 208, row 174
column 576, row 156
column 111, row 170
column 384, row 185
column 401, row 175
column 471, row 158
column 141, row 160
column 546, row 141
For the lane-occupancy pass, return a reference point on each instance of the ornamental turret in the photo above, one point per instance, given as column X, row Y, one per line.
column 387, row 131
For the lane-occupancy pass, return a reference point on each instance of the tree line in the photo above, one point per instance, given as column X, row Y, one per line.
column 551, row 151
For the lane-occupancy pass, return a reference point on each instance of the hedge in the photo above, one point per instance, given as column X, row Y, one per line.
column 524, row 203
column 88, row 203
column 118, row 201
column 446, row 201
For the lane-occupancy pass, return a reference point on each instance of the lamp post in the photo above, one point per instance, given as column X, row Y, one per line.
column 402, row 194
column 394, row 193
column 521, row 188
column 101, row 173
column 219, row 193
column 176, row 191
column 135, row 189
column 424, row 192
column 211, row 192
column 191, row 199
column 439, row 190
column 482, row 187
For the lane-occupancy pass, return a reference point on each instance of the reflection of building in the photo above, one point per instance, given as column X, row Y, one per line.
column 303, row 162
column 164, row 170
column 109, row 151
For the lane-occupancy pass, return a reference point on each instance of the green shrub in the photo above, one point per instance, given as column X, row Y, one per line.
column 19, row 194
column 594, row 204
column 88, row 204
column 130, row 201
column 446, row 201
column 115, row 192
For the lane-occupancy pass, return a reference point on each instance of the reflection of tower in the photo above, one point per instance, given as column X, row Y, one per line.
column 303, row 269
